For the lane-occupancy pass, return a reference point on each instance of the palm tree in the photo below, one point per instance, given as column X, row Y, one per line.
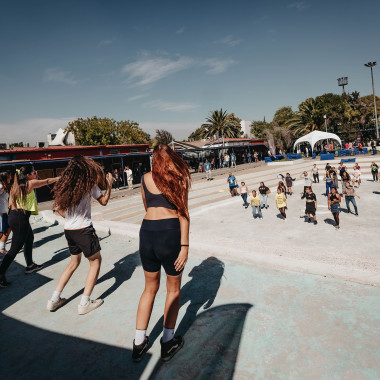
column 220, row 123
column 305, row 120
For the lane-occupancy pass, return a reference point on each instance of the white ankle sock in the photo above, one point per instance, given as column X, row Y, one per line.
column 84, row 300
column 140, row 337
column 2, row 245
column 55, row 296
column 168, row 335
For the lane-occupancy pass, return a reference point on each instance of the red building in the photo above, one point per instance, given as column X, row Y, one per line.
column 50, row 162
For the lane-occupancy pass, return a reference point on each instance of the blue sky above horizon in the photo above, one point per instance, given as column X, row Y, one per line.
column 167, row 64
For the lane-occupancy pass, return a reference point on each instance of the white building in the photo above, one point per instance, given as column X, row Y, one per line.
column 246, row 128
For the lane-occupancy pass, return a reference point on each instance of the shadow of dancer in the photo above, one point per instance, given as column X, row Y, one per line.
column 200, row 291
column 122, row 272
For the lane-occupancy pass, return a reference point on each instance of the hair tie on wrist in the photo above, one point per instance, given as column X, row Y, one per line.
column 184, row 245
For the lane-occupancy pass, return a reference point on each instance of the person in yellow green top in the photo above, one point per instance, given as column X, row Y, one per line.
column 23, row 203
column 255, row 203
column 281, row 202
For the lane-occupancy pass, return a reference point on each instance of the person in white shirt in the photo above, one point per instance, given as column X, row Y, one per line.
column 129, row 175
column 78, row 184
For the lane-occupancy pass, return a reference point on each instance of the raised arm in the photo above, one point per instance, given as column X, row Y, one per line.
column 104, row 198
column 36, row 183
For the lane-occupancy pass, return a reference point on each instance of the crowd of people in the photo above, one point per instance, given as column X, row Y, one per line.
column 334, row 180
column 164, row 233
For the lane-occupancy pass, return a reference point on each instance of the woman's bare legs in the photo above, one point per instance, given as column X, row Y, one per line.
column 172, row 303
column 93, row 273
column 144, row 311
column 68, row 272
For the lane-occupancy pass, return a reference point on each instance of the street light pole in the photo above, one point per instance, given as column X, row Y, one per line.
column 371, row 64
column 325, row 117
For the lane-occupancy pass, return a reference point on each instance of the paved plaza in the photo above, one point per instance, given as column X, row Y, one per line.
column 261, row 299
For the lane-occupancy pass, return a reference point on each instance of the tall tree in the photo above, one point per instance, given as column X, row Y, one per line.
column 104, row 131
column 220, row 123
column 163, row 137
column 283, row 115
column 258, row 128
column 306, row 119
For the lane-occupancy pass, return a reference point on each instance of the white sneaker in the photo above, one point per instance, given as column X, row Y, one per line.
column 90, row 305
column 54, row 305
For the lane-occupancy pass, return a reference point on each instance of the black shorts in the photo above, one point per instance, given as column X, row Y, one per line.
column 310, row 208
column 84, row 240
column 160, row 244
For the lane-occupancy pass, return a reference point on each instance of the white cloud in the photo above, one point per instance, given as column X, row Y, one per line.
column 147, row 71
column 31, row 130
column 107, row 41
column 137, row 97
column 218, row 66
column 299, row 5
column 229, row 41
column 55, row 74
column 171, row 106
column 179, row 130
column 180, row 30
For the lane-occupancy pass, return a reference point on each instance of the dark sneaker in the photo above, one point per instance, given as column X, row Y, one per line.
column 356, row 214
column 139, row 351
column 4, row 283
column 315, row 222
column 169, row 349
column 33, row 268
column 309, row 220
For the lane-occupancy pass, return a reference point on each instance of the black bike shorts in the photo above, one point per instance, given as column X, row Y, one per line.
column 160, row 244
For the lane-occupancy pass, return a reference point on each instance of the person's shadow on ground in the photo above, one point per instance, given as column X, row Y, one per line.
column 200, row 291
column 122, row 272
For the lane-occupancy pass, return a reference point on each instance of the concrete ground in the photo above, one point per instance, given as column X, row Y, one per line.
column 261, row 299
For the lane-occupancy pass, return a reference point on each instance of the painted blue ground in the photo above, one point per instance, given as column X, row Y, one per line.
column 239, row 321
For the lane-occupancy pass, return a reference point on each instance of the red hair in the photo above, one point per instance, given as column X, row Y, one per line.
column 172, row 177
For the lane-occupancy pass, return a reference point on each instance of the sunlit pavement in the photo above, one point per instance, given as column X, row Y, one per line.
column 303, row 312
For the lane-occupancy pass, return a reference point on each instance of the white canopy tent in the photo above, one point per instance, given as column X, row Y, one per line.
column 313, row 137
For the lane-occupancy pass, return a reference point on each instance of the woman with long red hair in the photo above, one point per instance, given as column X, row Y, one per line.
column 164, row 240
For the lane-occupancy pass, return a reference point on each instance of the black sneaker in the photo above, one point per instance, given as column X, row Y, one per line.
column 33, row 268
column 4, row 283
column 309, row 220
column 315, row 222
column 169, row 349
column 356, row 214
column 139, row 351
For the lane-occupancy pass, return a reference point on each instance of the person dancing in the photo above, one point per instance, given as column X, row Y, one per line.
column 79, row 183
column 23, row 203
column 5, row 230
column 281, row 202
column 164, row 240
column 333, row 202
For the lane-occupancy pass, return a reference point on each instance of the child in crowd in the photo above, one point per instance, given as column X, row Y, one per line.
column 255, row 203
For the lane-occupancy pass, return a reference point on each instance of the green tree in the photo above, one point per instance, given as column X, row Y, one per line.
column 258, row 128
column 104, row 131
column 282, row 116
column 220, row 123
column 197, row 134
column 17, row 145
column 163, row 137
column 306, row 119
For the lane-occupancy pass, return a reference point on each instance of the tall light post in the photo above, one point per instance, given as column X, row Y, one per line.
column 371, row 64
column 325, row 117
column 343, row 82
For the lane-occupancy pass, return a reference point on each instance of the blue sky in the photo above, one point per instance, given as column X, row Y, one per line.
column 166, row 64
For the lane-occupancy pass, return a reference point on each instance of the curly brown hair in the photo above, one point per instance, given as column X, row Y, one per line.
column 76, row 181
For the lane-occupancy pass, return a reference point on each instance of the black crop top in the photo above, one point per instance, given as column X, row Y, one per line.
column 156, row 200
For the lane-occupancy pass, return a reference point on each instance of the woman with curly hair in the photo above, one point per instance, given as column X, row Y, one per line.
column 23, row 203
column 164, row 240
column 79, row 183
column 5, row 230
